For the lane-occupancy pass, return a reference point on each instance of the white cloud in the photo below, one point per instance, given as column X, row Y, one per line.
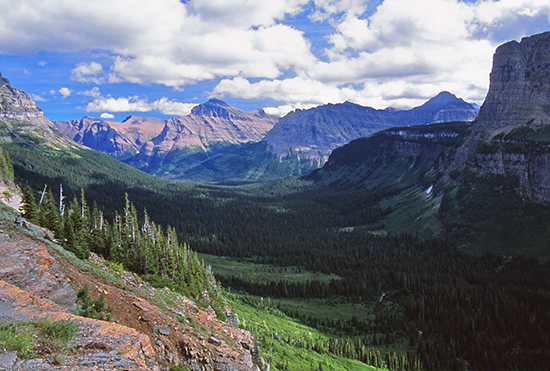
column 87, row 72
column 65, row 92
column 94, row 93
column 166, row 42
column 42, row 63
column 38, row 98
column 136, row 104
column 401, row 52
column 107, row 116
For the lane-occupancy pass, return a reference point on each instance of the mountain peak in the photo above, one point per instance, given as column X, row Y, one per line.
column 213, row 107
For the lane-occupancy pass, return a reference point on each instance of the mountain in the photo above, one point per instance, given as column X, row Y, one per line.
column 302, row 140
column 484, row 184
column 313, row 134
column 118, row 140
column 211, row 128
column 511, row 134
column 23, row 122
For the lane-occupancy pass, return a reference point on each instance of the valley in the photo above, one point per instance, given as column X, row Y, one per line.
column 415, row 246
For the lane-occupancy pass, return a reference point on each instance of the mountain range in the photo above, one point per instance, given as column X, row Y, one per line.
column 219, row 143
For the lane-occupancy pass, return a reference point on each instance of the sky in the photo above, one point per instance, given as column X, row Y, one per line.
column 159, row 58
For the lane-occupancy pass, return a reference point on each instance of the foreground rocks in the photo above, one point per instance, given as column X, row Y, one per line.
column 37, row 282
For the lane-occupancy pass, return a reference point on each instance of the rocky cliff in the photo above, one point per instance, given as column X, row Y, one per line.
column 313, row 134
column 19, row 117
column 519, row 92
column 510, row 136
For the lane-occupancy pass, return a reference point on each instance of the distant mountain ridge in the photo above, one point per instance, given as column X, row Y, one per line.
column 210, row 129
column 313, row 134
column 118, row 140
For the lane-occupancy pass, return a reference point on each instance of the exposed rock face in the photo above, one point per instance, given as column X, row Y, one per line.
column 314, row 133
column 510, row 135
column 519, row 90
column 20, row 116
column 17, row 104
column 119, row 140
column 209, row 125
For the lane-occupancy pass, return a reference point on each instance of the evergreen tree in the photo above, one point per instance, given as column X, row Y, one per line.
column 30, row 210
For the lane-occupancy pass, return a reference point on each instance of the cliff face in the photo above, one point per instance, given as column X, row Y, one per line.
column 519, row 90
column 19, row 117
column 17, row 104
column 313, row 134
column 510, row 136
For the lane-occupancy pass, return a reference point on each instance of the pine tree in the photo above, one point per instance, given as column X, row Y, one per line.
column 30, row 210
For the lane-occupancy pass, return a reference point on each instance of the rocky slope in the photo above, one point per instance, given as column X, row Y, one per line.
column 313, row 134
column 118, row 140
column 38, row 281
column 20, row 119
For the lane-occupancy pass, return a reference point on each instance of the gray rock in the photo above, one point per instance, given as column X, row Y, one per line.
column 162, row 329
column 7, row 360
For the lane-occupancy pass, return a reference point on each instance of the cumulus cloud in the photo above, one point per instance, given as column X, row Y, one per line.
column 87, row 72
column 383, row 52
column 65, row 92
column 182, row 43
column 137, row 104
column 403, row 53
column 107, row 116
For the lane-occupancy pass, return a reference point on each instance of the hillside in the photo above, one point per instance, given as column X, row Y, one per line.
column 485, row 186
column 148, row 328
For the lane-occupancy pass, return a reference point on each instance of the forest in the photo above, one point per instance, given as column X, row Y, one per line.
column 431, row 303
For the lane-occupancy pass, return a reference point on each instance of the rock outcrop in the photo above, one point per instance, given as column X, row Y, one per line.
column 20, row 116
column 17, row 104
column 313, row 134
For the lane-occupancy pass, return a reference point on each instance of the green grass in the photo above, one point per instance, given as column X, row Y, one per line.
column 261, row 273
column 284, row 343
column 33, row 339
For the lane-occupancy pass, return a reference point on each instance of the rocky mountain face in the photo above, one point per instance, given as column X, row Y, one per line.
column 510, row 136
column 313, row 134
column 118, row 140
column 211, row 128
column 17, row 104
column 519, row 85
column 21, row 119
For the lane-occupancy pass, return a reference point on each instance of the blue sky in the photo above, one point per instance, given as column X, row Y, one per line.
column 158, row 58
